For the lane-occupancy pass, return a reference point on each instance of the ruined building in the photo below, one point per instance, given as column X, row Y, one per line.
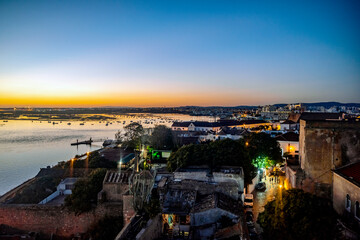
column 325, row 145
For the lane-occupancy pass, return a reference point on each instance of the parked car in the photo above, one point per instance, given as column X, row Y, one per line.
column 260, row 186
column 249, row 200
column 249, row 217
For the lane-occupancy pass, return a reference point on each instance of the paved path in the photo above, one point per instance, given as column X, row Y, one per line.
column 262, row 197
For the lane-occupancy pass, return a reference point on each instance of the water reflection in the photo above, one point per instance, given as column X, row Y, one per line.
column 26, row 146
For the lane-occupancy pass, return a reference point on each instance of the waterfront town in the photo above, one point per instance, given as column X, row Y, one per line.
column 249, row 174
column 179, row 120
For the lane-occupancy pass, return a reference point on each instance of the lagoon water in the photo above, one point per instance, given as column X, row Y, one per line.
column 26, row 146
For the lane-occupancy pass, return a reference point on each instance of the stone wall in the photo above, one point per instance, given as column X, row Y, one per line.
column 152, row 230
column 114, row 191
column 327, row 145
column 128, row 208
column 53, row 219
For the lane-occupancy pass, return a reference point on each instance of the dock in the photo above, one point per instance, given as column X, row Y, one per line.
column 87, row 142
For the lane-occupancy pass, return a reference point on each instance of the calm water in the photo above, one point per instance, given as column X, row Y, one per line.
column 26, row 146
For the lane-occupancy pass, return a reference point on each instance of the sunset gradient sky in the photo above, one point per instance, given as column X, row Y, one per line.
column 173, row 53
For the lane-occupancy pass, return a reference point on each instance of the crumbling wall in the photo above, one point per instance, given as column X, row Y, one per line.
column 152, row 230
column 114, row 191
column 53, row 219
column 327, row 145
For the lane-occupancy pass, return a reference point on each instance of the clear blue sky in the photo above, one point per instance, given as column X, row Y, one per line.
column 169, row 53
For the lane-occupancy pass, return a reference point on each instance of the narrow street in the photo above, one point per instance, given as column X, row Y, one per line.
column 262, row 197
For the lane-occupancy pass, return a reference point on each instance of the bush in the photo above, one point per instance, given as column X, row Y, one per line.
column 298, row 215
column 106, row 228
column 84, row 194
column 213, row 154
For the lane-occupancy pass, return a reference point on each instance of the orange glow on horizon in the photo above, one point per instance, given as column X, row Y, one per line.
column 139, row 99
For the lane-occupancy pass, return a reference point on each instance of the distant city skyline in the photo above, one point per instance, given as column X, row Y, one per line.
column 177, row 53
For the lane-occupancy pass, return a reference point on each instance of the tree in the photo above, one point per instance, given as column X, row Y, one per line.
column 152, row 207
column 161, row 138
column 119, row 137
column 263, row 149
column 298, row 215
column 85, row 191
column 97, row 161
column 132, row 135
column 107, row 228
column 214, row 154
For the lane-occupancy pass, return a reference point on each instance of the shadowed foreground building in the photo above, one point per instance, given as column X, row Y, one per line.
column 194, row 199
column 346, row 193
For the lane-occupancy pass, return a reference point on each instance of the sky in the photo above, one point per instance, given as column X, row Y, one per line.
column 175, row 53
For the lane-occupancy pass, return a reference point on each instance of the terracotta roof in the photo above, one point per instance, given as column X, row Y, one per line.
column 288, row 122
column 295, row 117
column 350, row 172
column 289, row 136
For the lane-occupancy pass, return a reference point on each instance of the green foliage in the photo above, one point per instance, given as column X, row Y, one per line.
column 152, row 208
column 263, row 162
column 132, row 135
column 263, row 145
column 95, row 161
column 297, row 215
column 161, row 138
column 85, row 191
column 106, row 228
column 213, row 154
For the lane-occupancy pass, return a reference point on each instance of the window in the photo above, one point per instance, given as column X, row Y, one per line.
column 357, row 210
column 348, row 202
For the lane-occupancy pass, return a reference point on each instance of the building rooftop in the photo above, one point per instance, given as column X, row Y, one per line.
column 350, row 172
column 117, row 177
column 289, row 136
column 217, row 200
column 288, row 122
column 313, row 116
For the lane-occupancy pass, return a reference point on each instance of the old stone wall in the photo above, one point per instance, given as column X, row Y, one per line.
column 53, row 219
column 327, row 145
column 114, row 191
column 152, row 230
column 128, row 208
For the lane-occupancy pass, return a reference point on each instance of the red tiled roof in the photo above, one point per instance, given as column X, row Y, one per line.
column 351, row 172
